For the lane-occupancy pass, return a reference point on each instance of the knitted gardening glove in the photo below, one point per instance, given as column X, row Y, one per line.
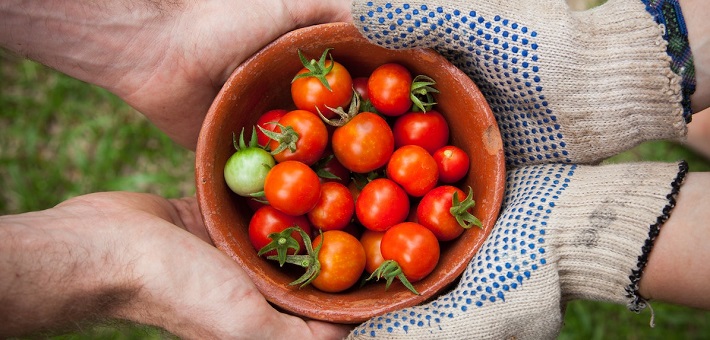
column 566, row 87
column 565, row 232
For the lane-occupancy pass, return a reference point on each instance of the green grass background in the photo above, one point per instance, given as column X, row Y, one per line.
column 60, row 137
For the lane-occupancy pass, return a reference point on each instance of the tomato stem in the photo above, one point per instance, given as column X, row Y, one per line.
column 309, row 260
column 421, row 93
column 389, row 270
column 321, row 171
column 281, row 242
column 345, row 117
column 461, row 210
column 287, row 138
column 316, row 69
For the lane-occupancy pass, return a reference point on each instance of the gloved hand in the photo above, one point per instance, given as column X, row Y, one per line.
column 566, row 87
column 565, row 232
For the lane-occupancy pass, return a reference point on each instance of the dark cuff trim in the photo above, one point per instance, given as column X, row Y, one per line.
column 637, row 302
column 668, row 13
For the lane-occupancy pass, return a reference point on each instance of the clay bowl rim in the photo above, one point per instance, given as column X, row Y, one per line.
column 355, row 305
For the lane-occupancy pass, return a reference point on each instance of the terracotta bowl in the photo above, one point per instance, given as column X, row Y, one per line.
column 262, row 83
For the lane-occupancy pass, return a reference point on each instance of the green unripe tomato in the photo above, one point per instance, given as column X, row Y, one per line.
column 246, row 169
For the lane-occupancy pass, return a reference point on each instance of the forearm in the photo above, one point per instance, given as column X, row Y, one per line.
column 678, row 269
column 167, row 59
column 55, row 274
column 696, row 14
column 93, row 41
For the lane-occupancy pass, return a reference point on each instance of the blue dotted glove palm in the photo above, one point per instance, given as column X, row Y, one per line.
column 565, row 232
column 566, row 87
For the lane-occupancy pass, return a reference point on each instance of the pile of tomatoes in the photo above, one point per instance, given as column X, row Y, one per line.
column 358, row 181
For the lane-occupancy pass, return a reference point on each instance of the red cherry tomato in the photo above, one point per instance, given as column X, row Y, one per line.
column 363, row 144
column 360, row 86
column 371, row 240
column 453, row 163
column 334, row 209
column 381, row 204
column 355, row 190
column 254, row 203
column 389, row 88
column 292, row 187
column 428, row 130
column 310, row 94
column 329, row 169
column 413, row 247
column 268, row 220
column 311, row 133
column 434, row 212
column 268, row 121
column 414, row 169
column 342, row 260
column 353, row 229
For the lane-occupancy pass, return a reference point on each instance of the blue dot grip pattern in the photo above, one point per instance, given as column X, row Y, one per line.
column 499, row 54
column 511, row 255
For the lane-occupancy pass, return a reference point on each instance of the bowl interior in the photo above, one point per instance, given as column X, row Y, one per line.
column 263, row 83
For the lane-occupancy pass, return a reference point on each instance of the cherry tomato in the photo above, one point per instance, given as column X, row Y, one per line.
column 311, row 134
column 389, row 88
column 342, row 260
column 371, row 240
column 355, row 190
column 268, row 121
column 381, row 204
column 268, row 220
column 310, row 94
column 329, row 169
column 363, row 144
column 414, row 169
column 453, row 163
column 360, row 86
column 445, row 216
column 245, row 171
column 428, row 130
column 434, row 212
column 413, row 247
column 334, row 209
column 254, row 203
column 292, row 187
column 353, row 229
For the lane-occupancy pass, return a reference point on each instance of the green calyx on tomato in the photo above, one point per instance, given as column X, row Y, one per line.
column 345, row 117
column 422, row 93
column 320, row 168
column 390, row 270
column 460, row 210
column 309, row 260
column 287, row 138
column 316, row 69
column 281, row 242
column 361, row 179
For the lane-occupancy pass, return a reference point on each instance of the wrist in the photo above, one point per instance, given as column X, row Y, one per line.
column 695, row 13
column 59, row 271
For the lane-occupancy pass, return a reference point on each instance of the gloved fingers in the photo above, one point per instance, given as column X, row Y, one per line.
column 406, row 24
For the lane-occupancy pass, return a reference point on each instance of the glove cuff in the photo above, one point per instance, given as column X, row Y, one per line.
column 607, row 228
column 669, row 15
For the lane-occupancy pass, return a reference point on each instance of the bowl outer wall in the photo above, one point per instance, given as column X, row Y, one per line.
column 262, row 83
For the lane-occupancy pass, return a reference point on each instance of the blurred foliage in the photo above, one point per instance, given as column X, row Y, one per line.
column 62, row 138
